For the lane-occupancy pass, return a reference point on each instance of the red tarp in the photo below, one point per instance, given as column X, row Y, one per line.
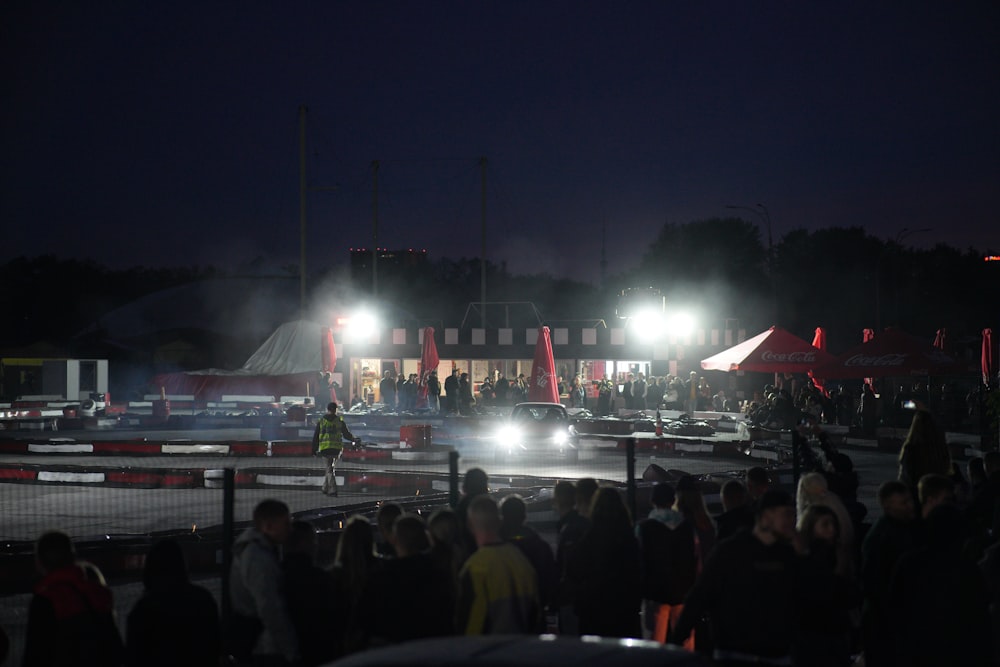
column 891, row 353
column 987, row 357
column 773, row 351
column 543, row 371
column 428, row 363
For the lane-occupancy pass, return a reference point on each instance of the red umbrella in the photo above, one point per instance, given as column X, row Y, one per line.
column 866, row 336
column 891, row 353
column 329, row 356
column 543, row 371
column 773, row 351
column 939, row 339
column 987, row 361
column 819, row 342
column 428, row 363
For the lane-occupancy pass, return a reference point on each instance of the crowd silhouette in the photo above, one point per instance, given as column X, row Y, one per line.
column 777, row 578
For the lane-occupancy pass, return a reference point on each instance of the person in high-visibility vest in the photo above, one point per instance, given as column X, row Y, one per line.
column 328, row 442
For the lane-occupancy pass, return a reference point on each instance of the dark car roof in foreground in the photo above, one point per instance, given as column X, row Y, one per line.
column 522, row 651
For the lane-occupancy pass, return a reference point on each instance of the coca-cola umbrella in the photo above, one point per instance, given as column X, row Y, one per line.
column 819, row 342
column 543, row 371
column 772, row 351
column 428, row 363
column 891, row 353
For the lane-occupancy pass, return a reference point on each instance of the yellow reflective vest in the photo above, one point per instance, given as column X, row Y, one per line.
column 329, row 433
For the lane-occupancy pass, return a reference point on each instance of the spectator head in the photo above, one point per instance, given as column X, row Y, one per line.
column 991, row 463
column 273, row 520
column 331, row 407
column 54, row 550
column 690, row 502
column 758, row 481
column 476, row 482
column 564, row 497
column 734, row 495
column 977, row 471
column 443, row 526
column 165, row 567
column 385, row 517
column 513, row 514
column 896, row 500
column 585, row 490
column 820, row 524
column 775, row 516
column 663, row 495
column 356, row 544
column 410, row 535
column 608, row 510
column 934, row 490
column 302, row 540
column 484, row 520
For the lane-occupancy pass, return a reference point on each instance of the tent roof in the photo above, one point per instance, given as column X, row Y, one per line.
column 892, row 352
column 772, row 351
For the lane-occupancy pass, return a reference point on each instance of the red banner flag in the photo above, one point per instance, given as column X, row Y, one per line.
column 428, row 363
column 543, row 371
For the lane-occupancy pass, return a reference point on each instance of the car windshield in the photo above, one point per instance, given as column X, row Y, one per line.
column 540, row 413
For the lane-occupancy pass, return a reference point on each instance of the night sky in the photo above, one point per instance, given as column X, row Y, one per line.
column 166, row 134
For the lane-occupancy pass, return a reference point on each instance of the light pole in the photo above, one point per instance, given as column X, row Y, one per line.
column 765, row 217
column 901, row 235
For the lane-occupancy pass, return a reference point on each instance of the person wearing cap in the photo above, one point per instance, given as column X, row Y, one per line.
column 748, row 588
column 328, row 442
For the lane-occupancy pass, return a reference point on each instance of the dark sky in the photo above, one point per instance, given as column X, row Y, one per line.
column 166, row 133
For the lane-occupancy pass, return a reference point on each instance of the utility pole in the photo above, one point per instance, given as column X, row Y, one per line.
column 374, row 228
column 482, row 261
column 302, row 209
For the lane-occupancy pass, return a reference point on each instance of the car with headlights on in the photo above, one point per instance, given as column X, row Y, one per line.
column 537, row 429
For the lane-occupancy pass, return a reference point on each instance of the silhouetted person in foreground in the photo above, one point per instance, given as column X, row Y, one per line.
column 175, row 622
column 71, row 616
column 311, row 595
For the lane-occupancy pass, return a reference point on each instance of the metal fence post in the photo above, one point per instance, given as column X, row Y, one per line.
column 228, row 525
column 453, row 479
column 630, row 475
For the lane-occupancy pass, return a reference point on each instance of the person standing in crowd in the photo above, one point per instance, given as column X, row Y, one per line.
column 514, row 529
column 434, row 393
column 475, row 483
column 385, row 517
column 669, row 563
column 451, row 392
column 605, row 393
column 312, row 596
column 353, row 566
column 758, row 482
column 691, row 393
column 603, row 571
column 627, row 392
column 498, row 588
column 175, row 622
column 654, row 393
column 465, row 398
column 892, row 535
column 71, row 615
column 748, row 588
column 577, row 393
column 387, row 390
column 571, row 527
column 639, row 391
column 924, row 451
column 502, row 390
column 691, row 504
column 256, row 589
column 331, row 431
column 813, row 490
column 737, row 512
column 409, row 597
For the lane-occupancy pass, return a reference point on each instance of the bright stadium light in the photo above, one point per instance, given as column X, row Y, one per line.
column 680, row 325
column 361, row 325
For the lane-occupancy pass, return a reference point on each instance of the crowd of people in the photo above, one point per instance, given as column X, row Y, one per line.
column 775, row 578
